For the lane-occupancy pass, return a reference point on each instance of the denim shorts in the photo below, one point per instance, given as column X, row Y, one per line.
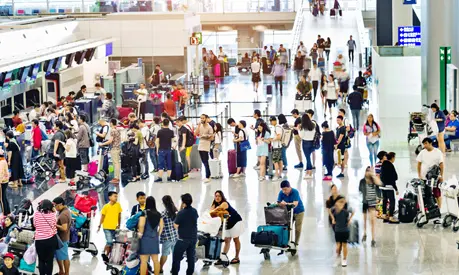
column 167, row 247
column 164, row 159
column 63, row 253
column 109, row 236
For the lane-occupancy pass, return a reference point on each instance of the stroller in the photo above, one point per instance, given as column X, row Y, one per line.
column 420, row 128
column 277, row 233
column 450, row 191
column 43, row 167
column 422, row 191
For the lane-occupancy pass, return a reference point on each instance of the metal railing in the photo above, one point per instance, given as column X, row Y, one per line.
column 297, row 27
column 34, row 7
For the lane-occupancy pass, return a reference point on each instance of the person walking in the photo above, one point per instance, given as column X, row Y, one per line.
column 340, row 145
column 291, row 196
column 389, row 177
column 149, row 228
column 297, row 139
column 332, row 94
column 255, row 68
column 372, row 131
column 276, row 141
column 263, row 139
column 206, row 136
column 369, row 188
column 278, row 71
column 351, row 45
column 234, row 225
column 15, row 160
column 315, row 75
column 440, row 119
column 327, row 45
column 169, row 234
column 298, row 65
column 328, row 148
column 307, row 131
column 64, row 221
column 313, row 53
column 186, row 224
column 355, row 101
column 46, row 240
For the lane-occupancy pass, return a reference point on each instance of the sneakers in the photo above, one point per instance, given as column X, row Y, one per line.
column 256, row 167
column 159, row 180
column 299, row 166
column 344, row 263
column 308, row 177
column 206, row 180
column 236, row 175
column 261, row 178
column 327, row 178
column 285, row 168
column 337, row 261
column 341, row 175
column 144, row 176
column 277, row 178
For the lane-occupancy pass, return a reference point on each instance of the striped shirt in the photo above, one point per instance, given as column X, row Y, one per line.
column 378, row 168
column 370, row 196
column 45, row 225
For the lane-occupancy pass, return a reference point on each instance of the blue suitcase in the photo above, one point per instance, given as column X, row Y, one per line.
column 280, row 230
column 269, row 89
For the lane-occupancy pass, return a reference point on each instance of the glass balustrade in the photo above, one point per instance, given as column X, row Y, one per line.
column 33, row 7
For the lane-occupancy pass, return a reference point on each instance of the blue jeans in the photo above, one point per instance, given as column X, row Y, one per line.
column 154, row 157
column 165, row 159
column 308, row 148
column 109, row 236
column 355, row 118
column 284, row 156
column 373, row 149
column 448, row 139
column 182, row 246
column 34, row 153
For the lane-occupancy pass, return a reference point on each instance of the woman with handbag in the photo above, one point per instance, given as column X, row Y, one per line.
column 150, row 228
column 242, row 145
column 46, row 239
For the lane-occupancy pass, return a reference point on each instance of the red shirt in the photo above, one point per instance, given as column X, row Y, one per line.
column 169, row 107
column 36, row 138
column 16, row 121
column 176, row 94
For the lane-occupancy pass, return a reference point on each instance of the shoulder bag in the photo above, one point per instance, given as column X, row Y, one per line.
column 245, row 144
column 91, row 140
column 60, row 244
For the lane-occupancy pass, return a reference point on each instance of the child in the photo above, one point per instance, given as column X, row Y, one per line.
column 111, row 220
column 141, row 199
column 218, row 140
column 4, row 178
column 7, row 267
column 341, row 219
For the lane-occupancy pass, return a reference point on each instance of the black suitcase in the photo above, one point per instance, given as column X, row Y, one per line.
column 18, row 249
column 206, row 82
column 332, row 12
column 406, row 210
column 269, row 89
column 264, row 238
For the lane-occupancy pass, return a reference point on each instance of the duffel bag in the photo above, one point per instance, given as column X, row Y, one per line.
column 264, row 238
column 276, row 215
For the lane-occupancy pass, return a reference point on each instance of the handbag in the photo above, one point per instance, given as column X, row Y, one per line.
column 245, row 144
column 24, row 266
column 60, row 244
column 84, row 203
column 30, row 256
column 276, row 215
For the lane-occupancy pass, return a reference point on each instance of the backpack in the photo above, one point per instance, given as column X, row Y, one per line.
column 99, row 139
column 317, row 136
column 192, row 136
column 133, row 221
column 287, row 135
column 151, row 139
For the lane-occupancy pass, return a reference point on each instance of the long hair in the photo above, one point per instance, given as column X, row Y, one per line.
column 306, row 123
column 282, row 119
column 265, row 129
column 374, row 122
column 152, row 212
column 219, row 129
column 214, row 203
column 171, row 210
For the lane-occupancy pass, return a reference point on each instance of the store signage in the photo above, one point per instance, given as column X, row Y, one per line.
column 409, row 2
column 409, row 36
column 194, row 41
column 198, row 35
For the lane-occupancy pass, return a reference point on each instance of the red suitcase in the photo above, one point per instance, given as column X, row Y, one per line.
column 124, row 112
column 232, row 162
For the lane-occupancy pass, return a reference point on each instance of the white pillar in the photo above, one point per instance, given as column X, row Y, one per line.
column 402, row 15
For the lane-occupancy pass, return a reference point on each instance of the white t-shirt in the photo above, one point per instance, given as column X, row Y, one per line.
column 307, row 135
column 276, row 130
column 221, row 56
column 315, row 74
column 74, row 125
column 101, row 91
column 72, row 152
column 429, row 159
column 303, row 50
column 146, row 135
column 142, row 98
column 331, row 90
column 255, row 66
column 154, row 129
column 218, row 138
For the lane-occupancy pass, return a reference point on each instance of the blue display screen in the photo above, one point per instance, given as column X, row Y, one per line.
column 36, row 67
column 409, row 36
column 108, row 49
column 25, row 73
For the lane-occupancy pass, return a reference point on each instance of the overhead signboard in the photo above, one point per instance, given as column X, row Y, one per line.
column 409, row 36
column 409, row 2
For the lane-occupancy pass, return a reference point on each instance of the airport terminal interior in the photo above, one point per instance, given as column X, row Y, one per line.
column 406, row 50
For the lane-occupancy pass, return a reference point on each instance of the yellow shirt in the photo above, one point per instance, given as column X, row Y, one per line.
column 111, row 213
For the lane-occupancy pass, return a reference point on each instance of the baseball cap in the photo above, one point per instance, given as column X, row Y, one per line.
column 9, row 255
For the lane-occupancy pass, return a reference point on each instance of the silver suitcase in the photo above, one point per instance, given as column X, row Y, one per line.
column 215, row 168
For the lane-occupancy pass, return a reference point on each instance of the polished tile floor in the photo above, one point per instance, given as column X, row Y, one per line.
column 400, row 249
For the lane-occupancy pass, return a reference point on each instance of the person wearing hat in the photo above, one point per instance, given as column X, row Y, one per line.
column 64, row 220
column 46, row 242
column 241, row 156
column 276, row 141
column 291, row 196
column 8, row 268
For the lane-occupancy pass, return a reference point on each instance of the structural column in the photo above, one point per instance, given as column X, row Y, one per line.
column 402, row 15
column 438, row 29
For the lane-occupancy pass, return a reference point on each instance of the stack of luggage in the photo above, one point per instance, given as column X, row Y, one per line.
column 277, row 229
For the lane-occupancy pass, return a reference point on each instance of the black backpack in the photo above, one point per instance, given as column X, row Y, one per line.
column 190, row 139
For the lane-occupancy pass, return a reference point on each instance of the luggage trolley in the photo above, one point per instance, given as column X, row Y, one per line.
column 209, row 246
column 450, row 191
column 277, row 234
column 428, row 208
column 84, row 234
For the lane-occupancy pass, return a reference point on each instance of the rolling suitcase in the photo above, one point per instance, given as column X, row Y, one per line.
column 269, row 89
column 406, row 210
column 177, row 168
column 232, row 162
column 264, row 238
column 281, row 232
column 215, row 168
column 332, row 12
column 217, row 70
column 354, row 232
column 195, row 158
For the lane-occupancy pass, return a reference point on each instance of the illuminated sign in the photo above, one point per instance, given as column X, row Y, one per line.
column 409, row 36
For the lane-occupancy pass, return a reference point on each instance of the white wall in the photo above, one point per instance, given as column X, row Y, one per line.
column 97, row 67
column 141, row 34
column 402, row 15
column 398, row 89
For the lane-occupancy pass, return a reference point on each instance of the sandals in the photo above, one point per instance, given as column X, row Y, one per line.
column 235, row 261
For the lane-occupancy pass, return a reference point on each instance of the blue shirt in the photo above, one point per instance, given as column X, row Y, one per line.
column 187, row 219
column 441, row 124
column 454, row 123
column 293, row 196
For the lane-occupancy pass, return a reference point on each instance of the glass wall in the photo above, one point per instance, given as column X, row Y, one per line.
column 227, row 40
column 32, row 7
column 275, row 38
